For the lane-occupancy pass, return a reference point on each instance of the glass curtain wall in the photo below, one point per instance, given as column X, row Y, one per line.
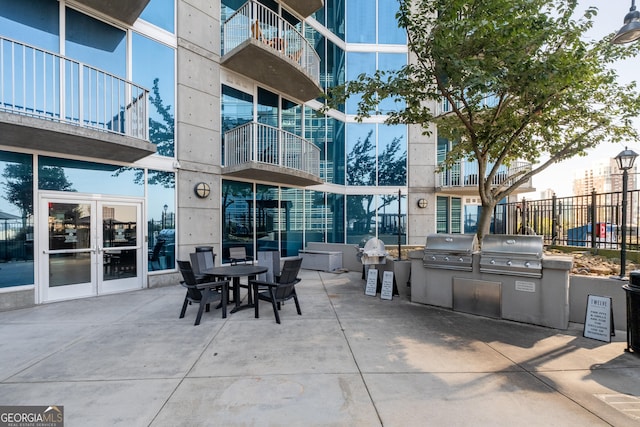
column 237, row 216
column 16, row 219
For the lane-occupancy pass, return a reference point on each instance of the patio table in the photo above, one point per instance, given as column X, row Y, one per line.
column 235, row 272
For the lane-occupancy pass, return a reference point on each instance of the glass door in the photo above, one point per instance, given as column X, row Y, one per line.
column 68, row 257
column 119, row 247
column 92, row 247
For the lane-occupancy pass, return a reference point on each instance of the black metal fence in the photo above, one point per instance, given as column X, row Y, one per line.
column 592, row 221
column 16, row 240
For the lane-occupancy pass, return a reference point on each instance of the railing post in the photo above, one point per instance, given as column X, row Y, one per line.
column 523, row 216
column 554, row 220
column 592, row 212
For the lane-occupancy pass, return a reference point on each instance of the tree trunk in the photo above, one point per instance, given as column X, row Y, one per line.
column 484, row 222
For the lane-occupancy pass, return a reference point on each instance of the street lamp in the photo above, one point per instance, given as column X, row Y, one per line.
column 625, row 162
column 630, row 31
column 164, row 215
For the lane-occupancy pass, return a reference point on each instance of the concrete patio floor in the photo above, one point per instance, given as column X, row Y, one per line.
column 349, row 360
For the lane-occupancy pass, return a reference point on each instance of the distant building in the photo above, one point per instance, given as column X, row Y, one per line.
column 602, row 177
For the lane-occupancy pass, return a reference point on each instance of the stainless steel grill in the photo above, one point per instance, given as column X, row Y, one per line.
column 450, row 251
column 514, row 255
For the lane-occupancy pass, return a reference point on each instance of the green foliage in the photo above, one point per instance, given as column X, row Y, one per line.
column 19, row 184
column 521, row 79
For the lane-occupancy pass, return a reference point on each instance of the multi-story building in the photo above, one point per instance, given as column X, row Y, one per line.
column 602, row 177
column 133, row 132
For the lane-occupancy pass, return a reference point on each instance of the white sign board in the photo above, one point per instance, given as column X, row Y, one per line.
column 598, row 318
column 372, row 282
column 387, row 285
column 525, row 286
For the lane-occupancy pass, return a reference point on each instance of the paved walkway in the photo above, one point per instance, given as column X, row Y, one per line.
column 349, row 360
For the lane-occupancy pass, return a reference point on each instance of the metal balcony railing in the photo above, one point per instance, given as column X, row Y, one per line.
column 465, row 174
column 42, row 84
column 258, row 22
column 256, row 142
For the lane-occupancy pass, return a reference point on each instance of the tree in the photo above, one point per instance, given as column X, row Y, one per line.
column 19, row 184
column 361, row 167
column 162, row 134
column 521, row 80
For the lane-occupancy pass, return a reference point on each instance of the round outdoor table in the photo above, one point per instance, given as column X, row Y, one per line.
column 235, row 272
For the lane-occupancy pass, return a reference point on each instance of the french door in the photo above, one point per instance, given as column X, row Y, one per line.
column 89, row 246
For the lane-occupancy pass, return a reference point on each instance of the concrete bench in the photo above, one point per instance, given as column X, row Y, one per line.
column 321, row 260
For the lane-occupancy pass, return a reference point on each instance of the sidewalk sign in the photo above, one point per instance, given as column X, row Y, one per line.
column 598, row 319
column 387, row 285
column 372, row 282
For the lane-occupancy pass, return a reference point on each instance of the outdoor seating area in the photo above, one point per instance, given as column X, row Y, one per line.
column 206, row 283
column 351, row 359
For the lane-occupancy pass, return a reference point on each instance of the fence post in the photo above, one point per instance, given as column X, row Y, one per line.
column 523, row 220
column 593, row 218
column 554, row 220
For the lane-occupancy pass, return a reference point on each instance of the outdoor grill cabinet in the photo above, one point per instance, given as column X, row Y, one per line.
column 534, row 291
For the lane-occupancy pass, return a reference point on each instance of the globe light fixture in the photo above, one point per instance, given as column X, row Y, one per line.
column 202, row 190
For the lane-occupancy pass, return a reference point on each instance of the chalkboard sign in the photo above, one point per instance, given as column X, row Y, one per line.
column 387, row 285
column 598, row 319
column 372, row 282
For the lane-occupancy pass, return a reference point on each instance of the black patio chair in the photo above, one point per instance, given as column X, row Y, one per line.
column 279, row 291
column 239, row 254
column 202, row 293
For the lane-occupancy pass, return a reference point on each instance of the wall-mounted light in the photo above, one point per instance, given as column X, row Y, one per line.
column 202, row 190
column 422, row 203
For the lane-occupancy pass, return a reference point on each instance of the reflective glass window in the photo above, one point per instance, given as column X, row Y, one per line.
column 392, row 218
column 237, row 217
column 315, row 131
column 392, row 154
column 95, row 43
column 336, row 152
column 160, row 13
column 16, row 219
column 267, row 107
column 87, row 177
column 388, row 30
column 153, row 68
column 270, row 214
column 335, row 67
column 471, row 217
column 361, row 217
column 291, row 117
column 361, row 157
column 161, row 220
column 335, row 218
column 361, row 22
column 291, row 221
column 237, row 110
column 390, row 62
column 358, row 63
column 315, row 216
column 34, row 22
column 335, row 12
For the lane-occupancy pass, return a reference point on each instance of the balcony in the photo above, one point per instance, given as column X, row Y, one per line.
column 256, row 150
column 52, row 103
column 303, row 8
column 123, row 10
column 462, row 178
column 261, row 45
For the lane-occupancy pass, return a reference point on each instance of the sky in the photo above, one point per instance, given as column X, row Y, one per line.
column 559, row 177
